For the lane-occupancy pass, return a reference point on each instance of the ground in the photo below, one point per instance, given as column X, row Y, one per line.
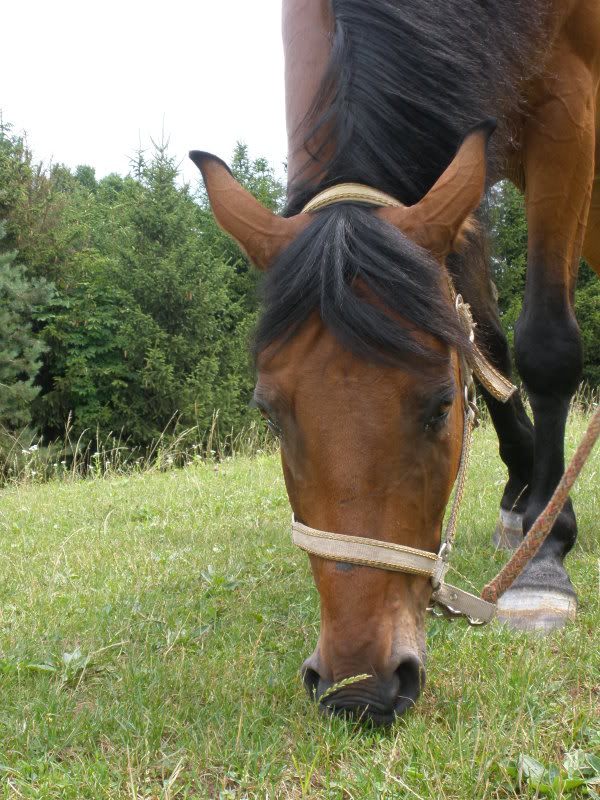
column 151, row 632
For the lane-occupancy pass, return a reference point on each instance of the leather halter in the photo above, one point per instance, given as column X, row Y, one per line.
column 453, row 602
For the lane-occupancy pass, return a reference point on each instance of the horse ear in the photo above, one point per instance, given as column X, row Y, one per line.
column 437, row 221
column 259, row 232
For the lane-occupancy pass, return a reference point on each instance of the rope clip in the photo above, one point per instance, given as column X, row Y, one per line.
column 471, row 409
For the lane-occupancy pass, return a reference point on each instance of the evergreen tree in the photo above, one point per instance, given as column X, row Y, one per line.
column 509, row 259
column 508, row 227
column 20, row 349
column 587, row 311
column 154, row 308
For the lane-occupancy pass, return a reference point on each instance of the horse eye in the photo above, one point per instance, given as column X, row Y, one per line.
column 437, row 421
column 273, row 426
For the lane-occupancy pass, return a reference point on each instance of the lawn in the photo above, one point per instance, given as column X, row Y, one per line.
column 152, row 627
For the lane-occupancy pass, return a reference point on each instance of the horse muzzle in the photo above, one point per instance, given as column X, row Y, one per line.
column 376, row 698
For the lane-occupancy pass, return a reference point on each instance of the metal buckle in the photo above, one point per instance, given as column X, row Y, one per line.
column 451, row 614
column 440, row 572
column 445, row 550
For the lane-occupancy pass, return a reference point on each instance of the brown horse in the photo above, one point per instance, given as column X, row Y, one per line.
column 358, row 347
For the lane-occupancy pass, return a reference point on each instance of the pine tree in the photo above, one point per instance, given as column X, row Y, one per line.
column 20, row 349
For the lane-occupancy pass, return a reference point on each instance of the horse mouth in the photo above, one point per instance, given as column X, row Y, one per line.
column 359, row 711
column 380, row 702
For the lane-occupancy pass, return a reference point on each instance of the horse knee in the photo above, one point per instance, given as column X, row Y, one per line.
column 548, row 349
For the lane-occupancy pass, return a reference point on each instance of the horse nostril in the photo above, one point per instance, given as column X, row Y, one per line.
column 411, row 677
column 311, row 680
column 379, row 700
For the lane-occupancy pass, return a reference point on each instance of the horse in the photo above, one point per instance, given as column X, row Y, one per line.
column 358, row 349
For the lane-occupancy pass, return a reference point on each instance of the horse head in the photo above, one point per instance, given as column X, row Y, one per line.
column 358, row 356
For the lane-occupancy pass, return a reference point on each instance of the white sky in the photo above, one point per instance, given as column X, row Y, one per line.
column 87, row 80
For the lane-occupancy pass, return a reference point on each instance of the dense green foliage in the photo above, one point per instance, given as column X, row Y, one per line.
column 143, row 308
column 20, row 349
column 153, row 305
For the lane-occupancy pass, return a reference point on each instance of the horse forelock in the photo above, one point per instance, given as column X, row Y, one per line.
column 360, row 275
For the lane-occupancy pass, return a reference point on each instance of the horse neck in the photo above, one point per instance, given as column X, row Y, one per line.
column 307, row 28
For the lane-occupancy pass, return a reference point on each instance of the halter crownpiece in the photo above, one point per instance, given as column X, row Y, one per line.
column 349, row 193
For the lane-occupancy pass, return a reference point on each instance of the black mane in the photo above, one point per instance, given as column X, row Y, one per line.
column 405, row 80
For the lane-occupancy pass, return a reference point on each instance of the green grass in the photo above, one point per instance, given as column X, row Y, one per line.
column 151, row 632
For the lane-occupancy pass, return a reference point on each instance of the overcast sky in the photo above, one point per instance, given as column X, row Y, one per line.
column 87, row 80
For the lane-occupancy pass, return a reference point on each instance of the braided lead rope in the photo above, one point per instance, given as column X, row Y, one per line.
column 540, row 529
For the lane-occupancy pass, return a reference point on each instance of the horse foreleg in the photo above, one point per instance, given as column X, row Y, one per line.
column 558, row 162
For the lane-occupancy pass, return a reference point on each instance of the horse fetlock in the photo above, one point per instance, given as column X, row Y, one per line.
column 516, row 495
column 509, row 530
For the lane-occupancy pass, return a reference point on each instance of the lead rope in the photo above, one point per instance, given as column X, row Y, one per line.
column 539, row 531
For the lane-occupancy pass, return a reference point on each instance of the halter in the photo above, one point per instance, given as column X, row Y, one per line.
column 451, row 601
